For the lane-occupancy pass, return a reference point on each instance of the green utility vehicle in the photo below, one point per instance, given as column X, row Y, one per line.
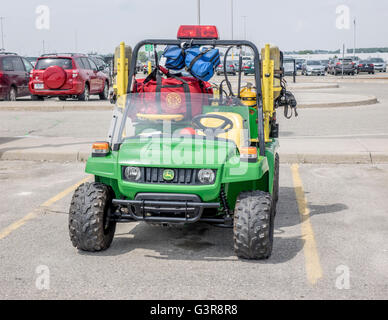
column 218, row 165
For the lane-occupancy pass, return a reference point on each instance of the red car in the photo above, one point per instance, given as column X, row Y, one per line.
column 14, row 76
column 67, row 76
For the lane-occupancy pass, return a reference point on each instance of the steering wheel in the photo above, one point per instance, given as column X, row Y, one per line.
column 223, row 128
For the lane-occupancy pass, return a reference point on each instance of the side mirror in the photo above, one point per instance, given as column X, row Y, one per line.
column 101, row 68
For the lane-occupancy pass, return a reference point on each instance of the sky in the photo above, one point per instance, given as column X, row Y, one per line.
column 100, row 25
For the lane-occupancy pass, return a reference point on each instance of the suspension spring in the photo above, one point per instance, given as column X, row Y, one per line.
column 224, row 201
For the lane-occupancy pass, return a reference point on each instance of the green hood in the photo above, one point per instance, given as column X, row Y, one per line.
column 176, row 152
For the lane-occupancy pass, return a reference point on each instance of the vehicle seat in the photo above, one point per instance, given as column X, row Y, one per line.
column 235, row 134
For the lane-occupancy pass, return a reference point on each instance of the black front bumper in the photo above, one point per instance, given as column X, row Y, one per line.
column 164, row 208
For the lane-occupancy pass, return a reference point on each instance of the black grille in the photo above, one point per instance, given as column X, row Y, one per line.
column 155, row 175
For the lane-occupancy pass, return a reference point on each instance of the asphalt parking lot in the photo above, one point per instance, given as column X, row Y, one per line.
column 331, row 227
column 330, row 242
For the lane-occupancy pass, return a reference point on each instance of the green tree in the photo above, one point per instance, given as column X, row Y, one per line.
column 142, row 56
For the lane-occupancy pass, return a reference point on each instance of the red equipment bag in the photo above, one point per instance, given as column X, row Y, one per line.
column 172, row 94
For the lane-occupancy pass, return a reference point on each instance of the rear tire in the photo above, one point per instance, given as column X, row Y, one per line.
column 12, row 94
column 254, row 225
column 89, row 227
column 104, row 95
column 62, row 98
column 84, row 96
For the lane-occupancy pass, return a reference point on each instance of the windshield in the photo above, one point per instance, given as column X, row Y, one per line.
column 32, row 60
column 177, row 114
column 44, row 63
column 170, row 102
column 313, row 63
column 98, row 61
column 377, row 60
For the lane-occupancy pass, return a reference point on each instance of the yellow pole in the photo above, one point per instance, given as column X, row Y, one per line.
column 216, row 96
column 121, row 71
column 268, row 95
column 122, row 76
column 149, row 67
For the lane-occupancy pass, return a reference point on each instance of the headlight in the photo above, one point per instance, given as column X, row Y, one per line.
column 132, row 173
column 206, row 176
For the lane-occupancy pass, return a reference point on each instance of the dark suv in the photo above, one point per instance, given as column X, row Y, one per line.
column 68, row 76
column 14, row 76
column 337, row 66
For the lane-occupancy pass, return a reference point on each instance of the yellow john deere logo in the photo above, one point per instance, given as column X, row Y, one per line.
column 168, row 175
column 174, row 100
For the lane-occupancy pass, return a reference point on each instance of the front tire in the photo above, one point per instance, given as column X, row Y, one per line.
column 12, row 94
column 254, row 225
column 89, row 225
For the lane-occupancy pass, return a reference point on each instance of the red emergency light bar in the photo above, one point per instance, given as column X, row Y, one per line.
column 198, row 32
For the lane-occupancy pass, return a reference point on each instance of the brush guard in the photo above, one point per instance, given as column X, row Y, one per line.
column 163, row 208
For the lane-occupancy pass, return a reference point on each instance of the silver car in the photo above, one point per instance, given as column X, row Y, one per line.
column 313, row 68
column 380, row 64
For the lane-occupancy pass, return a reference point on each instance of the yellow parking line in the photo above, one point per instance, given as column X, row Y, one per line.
column 17, row 224
column 313, row 265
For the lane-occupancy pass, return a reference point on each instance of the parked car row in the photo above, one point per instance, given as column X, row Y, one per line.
column 79, row 76
column 353, row 66
column 54, row 75
column 337, row 66
column 231, row 68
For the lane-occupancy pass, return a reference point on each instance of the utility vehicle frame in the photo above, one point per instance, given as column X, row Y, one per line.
column 245, row 202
